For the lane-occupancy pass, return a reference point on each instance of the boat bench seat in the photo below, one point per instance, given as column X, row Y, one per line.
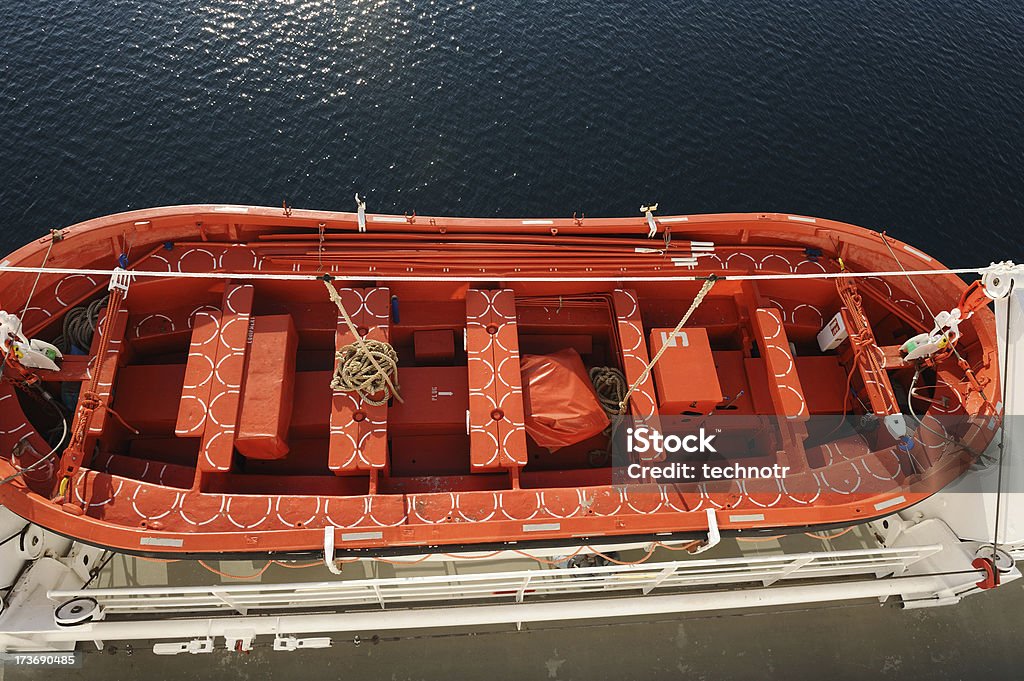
column 633, row 345
column 147, row 396
column 784, row 387
column 220, row 427
column 268, row 388
column 108, row 372
column 823, row 374
column 358, row 440
column 195, row 390
column 164, row 332
column 497, row 432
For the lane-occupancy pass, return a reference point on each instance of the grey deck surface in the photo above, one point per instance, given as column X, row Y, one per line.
column 979, row 638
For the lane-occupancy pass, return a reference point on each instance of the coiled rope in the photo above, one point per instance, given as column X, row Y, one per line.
column 80, row 325
column 367, row 367
column 610, row 386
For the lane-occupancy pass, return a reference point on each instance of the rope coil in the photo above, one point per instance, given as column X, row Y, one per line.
column 360, row 366
column 79, row 326
column 610, row 386
column 358, row 369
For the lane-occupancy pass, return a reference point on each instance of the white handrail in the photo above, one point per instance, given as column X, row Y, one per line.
column 563, row 583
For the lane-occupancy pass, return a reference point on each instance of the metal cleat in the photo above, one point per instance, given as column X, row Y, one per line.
column 290, row 643
column 361, row 213
column 239, row 640
column 648, row 212
column 193, row 647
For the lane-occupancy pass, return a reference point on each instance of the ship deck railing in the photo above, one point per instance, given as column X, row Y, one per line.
column 513, row 586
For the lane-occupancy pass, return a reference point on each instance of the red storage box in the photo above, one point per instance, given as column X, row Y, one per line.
column 685, row 377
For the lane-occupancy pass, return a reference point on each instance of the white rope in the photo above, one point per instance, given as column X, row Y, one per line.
column 267, row 276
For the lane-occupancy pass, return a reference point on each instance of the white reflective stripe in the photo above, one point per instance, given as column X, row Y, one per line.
column 231, row 209
column 748, row 518
column 388, row 218
column 360, row 536
column 895, row 501
column 678, row 218
column 800, row 218
column 538, row 222
column 542, row 527
column 161, row 541
column 911, row 249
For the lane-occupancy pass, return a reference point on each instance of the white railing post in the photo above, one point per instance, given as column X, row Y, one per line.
column 240, row 609
column 788, row 570
column 521, row 594
column 662, row 576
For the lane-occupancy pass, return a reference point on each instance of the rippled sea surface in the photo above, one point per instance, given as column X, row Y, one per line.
column 903, row 115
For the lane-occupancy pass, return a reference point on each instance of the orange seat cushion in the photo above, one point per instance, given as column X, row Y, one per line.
column 268, row 389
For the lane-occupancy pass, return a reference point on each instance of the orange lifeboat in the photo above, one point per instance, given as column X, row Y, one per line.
column 221, row 380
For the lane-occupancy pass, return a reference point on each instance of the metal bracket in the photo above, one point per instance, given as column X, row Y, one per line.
column 120, row 280
column 193, row 647
column 714, row 536
column 239, row 640
column 652, row 226
column 329, row 551
column 83, row 560
column 361, row 213
column 290, row 643
column 998, row 278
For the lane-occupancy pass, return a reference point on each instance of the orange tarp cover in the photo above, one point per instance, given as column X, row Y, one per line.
column 561, row 406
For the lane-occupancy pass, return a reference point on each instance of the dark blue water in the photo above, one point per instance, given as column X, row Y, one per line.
column 900, row 114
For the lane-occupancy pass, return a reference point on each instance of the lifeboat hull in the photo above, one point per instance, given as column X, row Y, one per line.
column 203, row 420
